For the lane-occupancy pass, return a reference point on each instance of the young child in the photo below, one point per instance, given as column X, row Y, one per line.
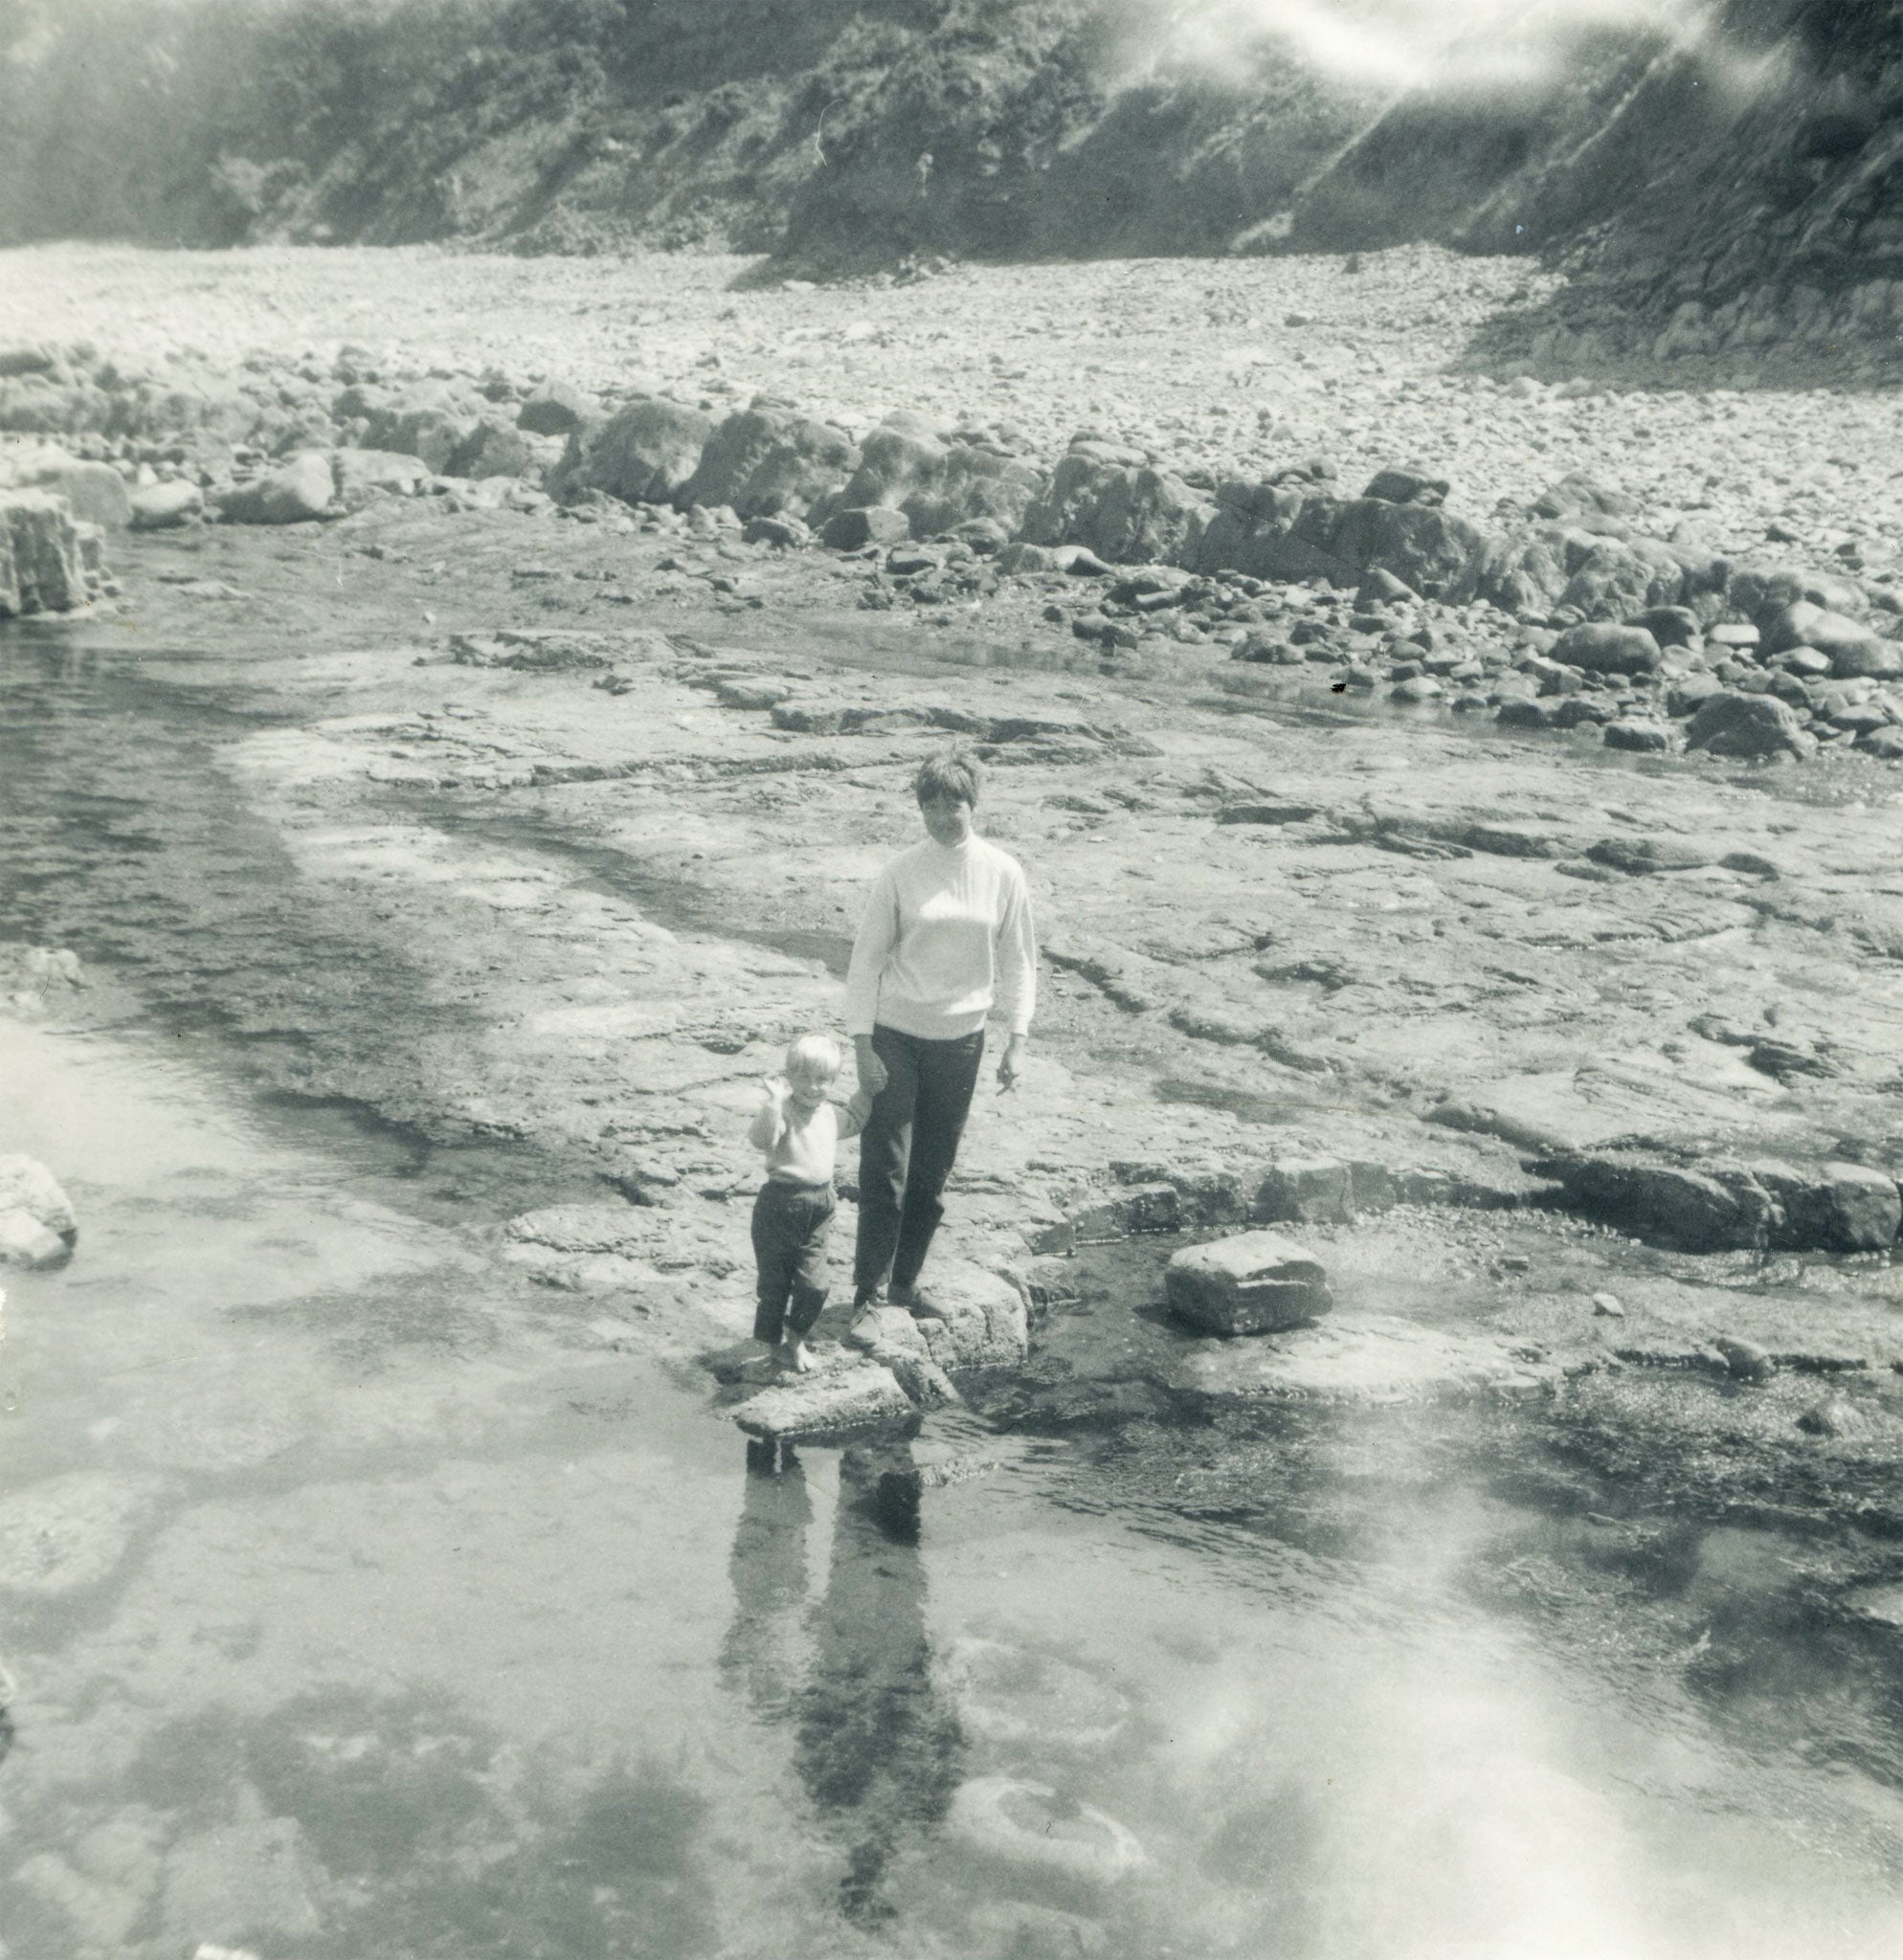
column 799, row 1130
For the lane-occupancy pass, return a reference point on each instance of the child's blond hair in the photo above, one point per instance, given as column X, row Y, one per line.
column 815, row 1052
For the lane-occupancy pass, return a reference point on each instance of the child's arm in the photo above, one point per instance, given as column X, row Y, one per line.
column 853, row 1115
column 768, row 1124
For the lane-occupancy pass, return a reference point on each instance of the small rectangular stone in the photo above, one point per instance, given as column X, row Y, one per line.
column 1253, row 1283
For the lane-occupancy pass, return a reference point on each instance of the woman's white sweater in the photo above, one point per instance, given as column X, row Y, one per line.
column 946, row 935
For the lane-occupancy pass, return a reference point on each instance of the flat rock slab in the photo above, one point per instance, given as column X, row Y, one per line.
column 624, row 1229
column 1578, row 1109
column 1253, row 1283
column 854, row 1394
column 607, row 1248
column 1371, row 1359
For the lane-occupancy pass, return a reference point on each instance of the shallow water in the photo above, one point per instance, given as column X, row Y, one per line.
column 364, row 1598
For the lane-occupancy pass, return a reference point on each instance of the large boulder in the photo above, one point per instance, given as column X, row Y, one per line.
column 1407, row 485
column 769, row 460
column 1602, row 648
column 892, row 1338
column 1852, row 649
column 159, row 406
column 645, row 453
column 361, row 474
column 29, row 357
column 1520, row 575
column 1759, row 591
column 94, row 493
column 496, row 449
column 37, row 405
column 852, row 529
column 1251, row 1283
column 1419, row 543
column 294, row 493
column 1718, row 1209
column 162, row 506
column 939, row 484
column 1274, row 530
column 37, row 1229
column 42, row 561
column 556, row 409
column 979, row 1319
column 1833, row 1208
column 1110, row 501
column 1578, row 495
column 1748, row 724
column 432, row 419
column 1612, row 578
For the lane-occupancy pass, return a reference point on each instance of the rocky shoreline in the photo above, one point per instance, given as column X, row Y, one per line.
column 593, row 710
column 1580, row 607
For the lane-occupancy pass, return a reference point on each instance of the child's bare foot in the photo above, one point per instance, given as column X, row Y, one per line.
column 796, row 1356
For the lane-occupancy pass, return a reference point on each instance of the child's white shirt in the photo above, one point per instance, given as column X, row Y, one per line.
column 800, row 1147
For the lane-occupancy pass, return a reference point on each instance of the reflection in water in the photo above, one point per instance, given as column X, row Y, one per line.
column 879, row 1753
column 769, row 1573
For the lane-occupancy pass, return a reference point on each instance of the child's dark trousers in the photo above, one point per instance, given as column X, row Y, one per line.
column 789, row 1226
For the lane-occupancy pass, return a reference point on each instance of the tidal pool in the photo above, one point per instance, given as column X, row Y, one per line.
column 363, row 1600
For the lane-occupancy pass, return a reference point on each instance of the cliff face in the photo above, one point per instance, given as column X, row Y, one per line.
column 1686, row 168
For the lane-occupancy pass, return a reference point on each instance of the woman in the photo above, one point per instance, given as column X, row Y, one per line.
column 947, row 932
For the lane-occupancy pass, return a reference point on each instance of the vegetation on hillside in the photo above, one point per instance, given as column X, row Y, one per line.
column 840, row 134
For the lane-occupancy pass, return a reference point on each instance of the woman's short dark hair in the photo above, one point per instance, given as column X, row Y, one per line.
column 951, row 772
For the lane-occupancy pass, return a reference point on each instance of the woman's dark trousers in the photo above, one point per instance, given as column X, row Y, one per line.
column 907, row 1150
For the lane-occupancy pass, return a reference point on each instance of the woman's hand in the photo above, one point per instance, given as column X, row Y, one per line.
column 1010, row 1065
column 871, row 1070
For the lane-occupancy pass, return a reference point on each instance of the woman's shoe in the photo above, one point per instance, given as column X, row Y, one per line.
column 916, row 1302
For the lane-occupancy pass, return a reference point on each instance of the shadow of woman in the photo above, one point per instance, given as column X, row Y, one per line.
column 879, row 1752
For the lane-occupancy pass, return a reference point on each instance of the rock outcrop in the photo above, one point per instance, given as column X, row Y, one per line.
column 907, row 466
column 164, row 505
column 43, row 555
column 1112, row 500
column 37, row 1228
column 296, row 492
column 769, row 460
column 1715, row 1206
column 645, row 453
column 1571, row 611
column 429, row 419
